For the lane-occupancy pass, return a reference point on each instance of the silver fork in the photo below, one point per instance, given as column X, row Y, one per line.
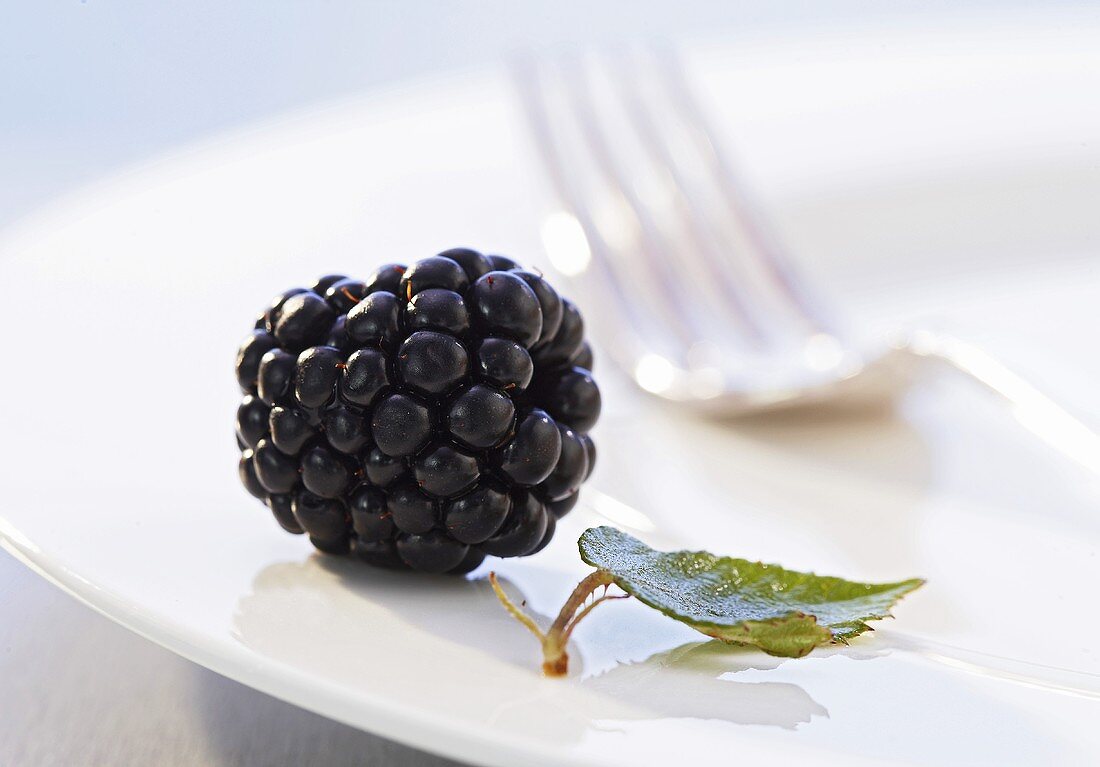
column 691, row 294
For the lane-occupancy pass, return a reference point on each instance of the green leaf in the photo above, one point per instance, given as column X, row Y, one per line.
column 782, row 612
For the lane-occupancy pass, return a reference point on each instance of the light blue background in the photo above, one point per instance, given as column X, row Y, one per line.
column 87, row 87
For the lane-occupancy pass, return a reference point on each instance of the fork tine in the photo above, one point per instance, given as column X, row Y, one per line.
column 707, row 256
column 671, row 296
column 742, row 209
column 533, row 98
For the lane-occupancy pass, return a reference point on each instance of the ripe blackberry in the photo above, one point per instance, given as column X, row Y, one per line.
column 423, row 418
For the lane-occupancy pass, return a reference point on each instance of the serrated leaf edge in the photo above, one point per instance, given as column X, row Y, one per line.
column 837, row 633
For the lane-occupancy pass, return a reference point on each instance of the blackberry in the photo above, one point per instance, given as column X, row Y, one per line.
column 321, row 286
column 505, row 305
column 472, row 262
column 432, row 363
column 346, row 429
column 252, row 420
column 412, row 510
column 444, row 471
column 289, row 429
column 386, row 278
column 522, row 531
column 401, row 424
column 473, row 517
column 480, row 417
column 276, row 471
column 305, row 319
column 505, row 364
column 501, row 263
column 438, row 309
column 325, row 473
column 369, row 517
column 436, row 272
column 275, row 376
column 533, row 451
column 316, row 374
column 366, row 373
column 344, row 294
column 422, row 418
column 373, row 322
column 570, row 470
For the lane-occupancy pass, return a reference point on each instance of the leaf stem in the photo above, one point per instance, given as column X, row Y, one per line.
column 513, row 610
column 587, row 609
column 555, row 659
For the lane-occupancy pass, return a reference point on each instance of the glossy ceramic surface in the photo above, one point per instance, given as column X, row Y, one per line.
column 126, row 302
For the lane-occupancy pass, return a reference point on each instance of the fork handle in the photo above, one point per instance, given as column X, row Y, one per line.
column 1035, row 411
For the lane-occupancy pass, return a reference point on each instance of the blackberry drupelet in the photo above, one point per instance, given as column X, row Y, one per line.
column 423, row 418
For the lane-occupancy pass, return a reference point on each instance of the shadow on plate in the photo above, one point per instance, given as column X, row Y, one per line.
column 322, row 614
column 294, row 602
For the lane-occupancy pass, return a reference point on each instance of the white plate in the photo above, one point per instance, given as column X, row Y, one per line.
column 951, row 176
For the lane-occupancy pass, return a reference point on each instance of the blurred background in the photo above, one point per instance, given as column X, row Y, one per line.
column 93, row 89
column 90, row 87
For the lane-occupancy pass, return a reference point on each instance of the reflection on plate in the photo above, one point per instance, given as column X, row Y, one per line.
column 127, row 384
